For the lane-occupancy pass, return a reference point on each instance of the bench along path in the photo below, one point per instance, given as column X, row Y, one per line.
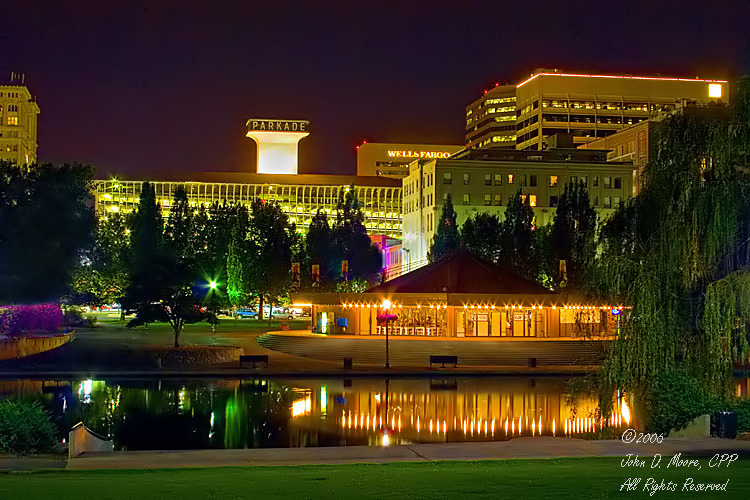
column 416, row 351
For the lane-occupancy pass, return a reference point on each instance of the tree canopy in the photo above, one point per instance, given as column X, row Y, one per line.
column 447, row 239
column 46, row 223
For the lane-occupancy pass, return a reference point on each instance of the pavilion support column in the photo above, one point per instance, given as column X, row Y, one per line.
column 450, row 322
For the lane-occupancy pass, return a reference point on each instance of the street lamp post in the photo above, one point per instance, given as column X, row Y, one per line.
column 386, row 307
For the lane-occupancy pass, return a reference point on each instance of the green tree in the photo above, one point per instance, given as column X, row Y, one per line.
column 352, row 243
column 46, row 223
column 516, row 242
column 178, row 230
column 482, row 235
column 320, row 249
column 573, row 235
column 271, row 238
column 238, row 267
column 102, row 276
column 163, row 280
column 446, row 240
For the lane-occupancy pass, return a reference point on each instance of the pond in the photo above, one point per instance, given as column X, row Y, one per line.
column 149, row 414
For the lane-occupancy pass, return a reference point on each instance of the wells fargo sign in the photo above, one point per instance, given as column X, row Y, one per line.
column 418, row 154
column 278, row 125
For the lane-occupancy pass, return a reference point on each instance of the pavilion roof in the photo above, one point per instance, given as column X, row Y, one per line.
column 461, row 272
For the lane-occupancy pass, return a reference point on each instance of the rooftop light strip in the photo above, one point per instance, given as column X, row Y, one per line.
column 624, row 77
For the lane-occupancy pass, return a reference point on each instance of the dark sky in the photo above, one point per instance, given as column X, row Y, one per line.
column 147, row 87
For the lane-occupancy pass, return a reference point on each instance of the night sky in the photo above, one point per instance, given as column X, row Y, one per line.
column 150, row 87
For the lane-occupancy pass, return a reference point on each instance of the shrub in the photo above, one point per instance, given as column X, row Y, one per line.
column 742, row 408
column 673, row 400
column 74, row 317
column 25, row 427
column 15, row 320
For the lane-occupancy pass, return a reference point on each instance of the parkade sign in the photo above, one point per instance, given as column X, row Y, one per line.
column 418, row 154
column 278, row 125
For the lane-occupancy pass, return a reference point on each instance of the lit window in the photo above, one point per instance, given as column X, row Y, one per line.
column 498, row 180
column 607, row 202
column 447, row 178
column 714, row 90
column 487, row 200
column 498, row 200
column 487, row 179
column 607, row 182
column 552, row 181
column 12, row 120
column 467, row 178
column 532, row 200
column 616, row 201
column 467, row 199
column 510, row 178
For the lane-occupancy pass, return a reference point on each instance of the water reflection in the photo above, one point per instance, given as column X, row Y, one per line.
column 253, row 413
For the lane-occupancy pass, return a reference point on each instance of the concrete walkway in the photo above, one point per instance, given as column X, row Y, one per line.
column 544, row 447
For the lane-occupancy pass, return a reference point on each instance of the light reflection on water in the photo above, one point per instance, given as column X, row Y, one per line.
column 255, row 413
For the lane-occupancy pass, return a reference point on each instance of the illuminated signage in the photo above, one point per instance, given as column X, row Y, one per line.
column 278, row 125
column 418, row 154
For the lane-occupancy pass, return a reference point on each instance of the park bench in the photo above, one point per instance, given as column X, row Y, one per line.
column 443, row 360
column 254, row 359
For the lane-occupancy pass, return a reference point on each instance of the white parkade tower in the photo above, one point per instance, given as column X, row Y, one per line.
column 277, row 143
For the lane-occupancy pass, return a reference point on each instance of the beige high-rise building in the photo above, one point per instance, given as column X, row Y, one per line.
column 586, row 106
column 18, row 122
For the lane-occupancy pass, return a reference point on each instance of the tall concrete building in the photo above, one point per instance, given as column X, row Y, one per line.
column 586, row 106
column 482, row 181
column 491, row 119
column 18, row 121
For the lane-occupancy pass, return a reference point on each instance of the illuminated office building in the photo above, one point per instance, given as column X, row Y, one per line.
column 18, row 122
column 587, row 106
column 300, row 196
column 491, row 119
column 482, row 181
column 392, row 160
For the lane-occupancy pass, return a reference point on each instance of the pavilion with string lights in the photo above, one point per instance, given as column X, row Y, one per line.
column 457, row 297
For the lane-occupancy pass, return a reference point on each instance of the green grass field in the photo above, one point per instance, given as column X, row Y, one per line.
column 525, row 479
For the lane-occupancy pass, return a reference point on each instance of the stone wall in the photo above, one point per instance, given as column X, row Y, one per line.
column 193, row 355
column 19, row 347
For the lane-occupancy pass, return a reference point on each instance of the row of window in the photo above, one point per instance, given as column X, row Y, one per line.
column 531, row 180
column 607, row 106
column 495, row 199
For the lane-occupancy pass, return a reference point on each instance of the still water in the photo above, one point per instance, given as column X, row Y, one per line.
column 258, row 413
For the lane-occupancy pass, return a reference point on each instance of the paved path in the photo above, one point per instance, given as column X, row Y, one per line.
column 544, row 447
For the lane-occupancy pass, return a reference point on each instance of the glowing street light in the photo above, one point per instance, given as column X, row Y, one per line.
column 212, row 285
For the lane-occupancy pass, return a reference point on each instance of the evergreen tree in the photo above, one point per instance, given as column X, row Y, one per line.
column 321, row 250
column 482, row 236
column 517, row 236
column 178, row 231
column 446, row 240
column 573, row 236
column 271, row 238
column 351, row 242
column 163, row 280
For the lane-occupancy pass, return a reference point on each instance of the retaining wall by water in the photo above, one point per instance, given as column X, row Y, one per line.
column 19, row 347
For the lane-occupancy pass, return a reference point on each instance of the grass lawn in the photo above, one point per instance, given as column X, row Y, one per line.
column 527, row 479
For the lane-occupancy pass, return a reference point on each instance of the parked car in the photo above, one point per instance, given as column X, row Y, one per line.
column 245, row 313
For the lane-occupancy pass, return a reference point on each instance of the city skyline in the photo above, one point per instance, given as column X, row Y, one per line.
column 154, row 90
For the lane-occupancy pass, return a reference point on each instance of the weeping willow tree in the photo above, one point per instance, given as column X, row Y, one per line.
column 679, row 252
